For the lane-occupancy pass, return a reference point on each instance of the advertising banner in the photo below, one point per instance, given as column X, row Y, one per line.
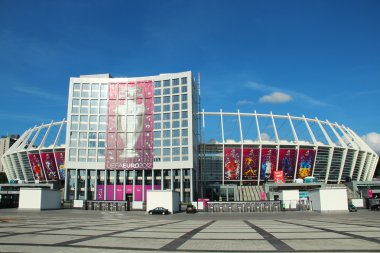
column 287, row 162
column 250, row 163
column 35, row 163
column 49, row 165
column 130, row 125
column 232, row 164
column 100, row 192
column 268, row 163
column 305, row 163
column 60, row 161
column 278, row 177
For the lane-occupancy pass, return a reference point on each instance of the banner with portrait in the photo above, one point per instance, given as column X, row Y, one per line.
column 287, row 162
column 250, row 163
column 36, row 164
column 130, row 125
column 49, row 166
column 232, row 163
column 268, row 163
column 305, row 163
column 60, row 161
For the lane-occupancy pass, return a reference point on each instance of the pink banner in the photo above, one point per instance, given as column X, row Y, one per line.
column 287, row 162
column 268, row 163
column 35, row 163
column 49, row 165
column 250, row 163
column 100, row 192
column 60, row 161
column 305, row 163
column 232, row 163
column 130, row 125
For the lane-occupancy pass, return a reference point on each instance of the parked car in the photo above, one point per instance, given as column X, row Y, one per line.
column 352, row 208
column 159, row 210
column 191, row 209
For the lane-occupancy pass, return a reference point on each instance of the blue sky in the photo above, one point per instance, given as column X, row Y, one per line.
column 317, row 58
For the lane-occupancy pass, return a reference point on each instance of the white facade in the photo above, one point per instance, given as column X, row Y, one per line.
column 39, row 199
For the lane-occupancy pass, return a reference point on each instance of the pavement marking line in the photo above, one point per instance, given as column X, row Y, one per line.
column 175, row 244
column 87, row 238
column 274, row 241
column 334, row 231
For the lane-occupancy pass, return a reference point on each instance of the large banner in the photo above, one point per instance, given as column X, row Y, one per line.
column 250, row 163
column 268, row 163
column 60, row 159
column 35, row 162
column 49, row 165
column 305, row 163
column 130, row 125
column 232, row 164
column 287, row 162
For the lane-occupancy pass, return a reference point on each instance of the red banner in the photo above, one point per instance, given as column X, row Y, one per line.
column 49, row 165
column 278, row 176
column 232, row 163
column 250, row 163
column 130, row 125
column 35, row 163
column 305, row 163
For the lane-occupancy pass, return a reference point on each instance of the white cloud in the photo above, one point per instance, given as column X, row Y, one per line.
column 294, row 94
column 38, row 93
column 244, row 102
column 276, row 98
column 265, row 137
column 373, row 140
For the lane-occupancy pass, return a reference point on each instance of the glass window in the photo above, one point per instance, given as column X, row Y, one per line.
column 175, row 81
column 157, row 92
column 103, row 106
column 166, row 108
column 157, row 152
column 175, row 107
column 175, row 98
column 167, row 143
column 157, row 143
column 157, row 100
column 102, row 136
column 83, row 119
column 74, row 118
column 184, row 141
column 184, row 80
column 184, row 106
column 157, row 108
column 184, row 132
column 93, row 119
column 157, row 125
column 176, row 142
column 175, row 115
column 166, row 133
column 157, row 116
column 157, row 134
column 175, row 133
column 100, row 155
column 175, row 151
column 84, row 106
column 184, row 88
column 95, row 90
column 184, row 97
column 166, row 116
column 167, row 91
column 175, row 124
column 167, row 99
column 185, row 151
column 184, row 114
column 103, row 90
column 85, row 90
column 92, row 152
column 72, row 154
column 175, row 90
column 157, row 84
column 167, row 151
column 102, row 119
column 184, row 123
column 166, row 83
column 94, row 106
column 166, row 124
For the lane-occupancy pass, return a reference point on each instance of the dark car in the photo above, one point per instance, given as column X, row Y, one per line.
column 352, row 208
column 159, row 210
column 191, row 209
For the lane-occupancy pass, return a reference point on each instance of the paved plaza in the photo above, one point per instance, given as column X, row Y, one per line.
column 84, row 231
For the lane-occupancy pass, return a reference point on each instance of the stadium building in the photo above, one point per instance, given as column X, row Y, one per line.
column 126, row 136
